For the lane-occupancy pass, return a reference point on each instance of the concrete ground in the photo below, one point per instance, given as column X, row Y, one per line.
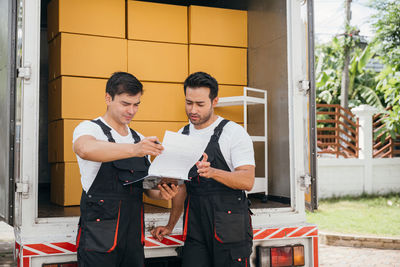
column 330, row 256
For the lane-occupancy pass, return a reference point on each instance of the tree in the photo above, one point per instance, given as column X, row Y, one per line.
column 386, row 23
column 361, row 84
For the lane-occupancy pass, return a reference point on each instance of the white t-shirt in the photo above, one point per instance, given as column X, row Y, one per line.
column 235, row 143
column 89, row 169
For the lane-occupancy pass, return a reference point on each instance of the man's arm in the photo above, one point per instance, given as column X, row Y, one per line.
column 89, row 148
column 241, row 178
column 177, row 208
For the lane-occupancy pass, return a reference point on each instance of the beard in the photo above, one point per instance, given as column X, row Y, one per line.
column 201, row 119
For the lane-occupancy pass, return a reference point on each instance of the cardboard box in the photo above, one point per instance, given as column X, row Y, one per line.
column 233, row 113
column 162, row 102
column 156, row 128
column 217, row 26
column 157, row 202
column 66, row 188
column 226, row 64
column 76, row 98
column 60, row 140
column 157, row 22
column 158, row 62
column 86, row 56
column 95, row 17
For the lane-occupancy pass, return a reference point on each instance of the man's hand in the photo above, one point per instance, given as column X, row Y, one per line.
column 168, row 192
column 161, row 231
column 148, row 146
column 203, row 167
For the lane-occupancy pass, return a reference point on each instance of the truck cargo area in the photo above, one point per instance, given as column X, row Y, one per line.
column 267, row 69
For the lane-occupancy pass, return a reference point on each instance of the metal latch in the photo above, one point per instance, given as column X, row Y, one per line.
column 21, row 188
column 304, row 86
column 305, row 181
column 25, row 72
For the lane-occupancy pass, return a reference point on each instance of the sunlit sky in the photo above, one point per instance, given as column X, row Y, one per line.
column 330, row 15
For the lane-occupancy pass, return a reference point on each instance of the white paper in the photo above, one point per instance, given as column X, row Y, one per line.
column 180, row 153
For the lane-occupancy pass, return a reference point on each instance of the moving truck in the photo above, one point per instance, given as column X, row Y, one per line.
column 55, row 58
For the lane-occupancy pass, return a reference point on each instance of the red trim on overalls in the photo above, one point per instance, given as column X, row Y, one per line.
column 142, row 239
column 116, row 230
column 217, row 237
column 186, row 221
column 78, row 238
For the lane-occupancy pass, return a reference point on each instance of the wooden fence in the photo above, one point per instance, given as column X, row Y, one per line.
column 337, row 131
column 387, row 148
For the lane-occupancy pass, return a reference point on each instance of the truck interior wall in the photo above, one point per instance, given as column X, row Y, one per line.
column 267, row 69
column 44, row 166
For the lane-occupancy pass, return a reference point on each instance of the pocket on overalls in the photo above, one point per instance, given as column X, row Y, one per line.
column 229, row 226
column 131, row 170
column 240, row 256
column 101, row 227
column 232, row 220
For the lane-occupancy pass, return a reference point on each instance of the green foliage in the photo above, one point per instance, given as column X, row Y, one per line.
column 329, row 62
column 386, row 23
column 387, row 46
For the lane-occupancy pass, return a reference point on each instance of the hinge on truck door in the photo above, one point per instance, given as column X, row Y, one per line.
column 25, row 72
column 21, row 188
column 304, row 86
column 305, row 181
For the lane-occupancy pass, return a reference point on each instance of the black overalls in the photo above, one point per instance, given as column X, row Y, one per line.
column 217, row 224
column 111, row 231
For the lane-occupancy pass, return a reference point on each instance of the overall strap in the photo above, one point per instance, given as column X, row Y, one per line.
column 218, row 130
column 106, row 130
column 135, row 136
column 186, row 130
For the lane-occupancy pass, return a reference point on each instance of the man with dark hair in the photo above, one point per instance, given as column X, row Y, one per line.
column 112, row 160
column 216, row 224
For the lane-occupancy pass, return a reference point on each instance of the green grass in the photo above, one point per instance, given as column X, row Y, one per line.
column 369, row 215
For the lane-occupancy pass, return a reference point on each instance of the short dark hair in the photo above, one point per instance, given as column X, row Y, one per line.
column 123, row 82
column 202, row 79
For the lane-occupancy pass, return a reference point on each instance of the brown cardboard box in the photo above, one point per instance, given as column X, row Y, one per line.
column 217, row 26
column 86, row 56
column 156, row 128
column 228, row 65
column 157, row 22
column 60, row 140
column 95, row 17
column 66, row 188
column 76, row 98
column 158, row 62
column 233, row 113
column 157, row 202
column 162, row 102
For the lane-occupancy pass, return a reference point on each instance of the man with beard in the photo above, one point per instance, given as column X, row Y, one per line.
column 216, row 224
column 112, row 160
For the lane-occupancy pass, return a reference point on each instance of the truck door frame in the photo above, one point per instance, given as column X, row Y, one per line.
column 7, row 208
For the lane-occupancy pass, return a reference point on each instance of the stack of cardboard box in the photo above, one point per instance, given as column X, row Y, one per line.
column 159, row 43
column 218, row 45
column 86, row 44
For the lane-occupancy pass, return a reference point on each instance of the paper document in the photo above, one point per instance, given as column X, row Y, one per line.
column 180, row 153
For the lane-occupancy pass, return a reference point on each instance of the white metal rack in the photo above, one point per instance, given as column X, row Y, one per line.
column 261, row 183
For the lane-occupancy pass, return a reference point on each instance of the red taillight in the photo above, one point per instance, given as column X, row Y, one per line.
column 281, row 257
